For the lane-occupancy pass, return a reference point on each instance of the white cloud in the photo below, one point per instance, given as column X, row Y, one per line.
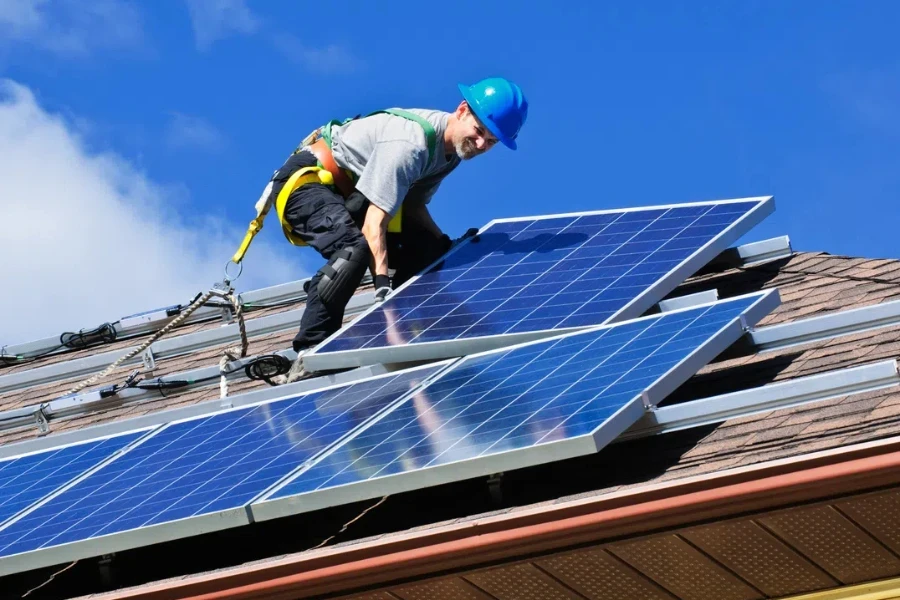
column 185, row 132
column 72, row 28
column 214, row 20
column 871, row 98
column 87, row 238
column 332, row 59
column 21, row 15
column 217, row 19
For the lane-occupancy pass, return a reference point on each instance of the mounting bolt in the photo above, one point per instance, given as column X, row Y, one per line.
column 149, row 359
column 41, row 420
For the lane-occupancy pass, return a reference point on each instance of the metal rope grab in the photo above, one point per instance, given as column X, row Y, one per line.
column 222, row 290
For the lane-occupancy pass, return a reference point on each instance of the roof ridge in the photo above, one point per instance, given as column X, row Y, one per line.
column 814, row 271
column 839, row 276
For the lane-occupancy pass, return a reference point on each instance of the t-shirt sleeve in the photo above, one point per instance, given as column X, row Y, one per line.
column 391, row 171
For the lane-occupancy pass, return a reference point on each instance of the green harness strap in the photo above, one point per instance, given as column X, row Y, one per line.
column 396, row 222
column 430, row 133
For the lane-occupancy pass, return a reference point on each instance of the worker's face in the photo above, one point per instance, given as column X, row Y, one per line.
column 472, row 137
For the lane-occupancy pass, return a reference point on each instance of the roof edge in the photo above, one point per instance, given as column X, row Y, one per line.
column 552, row 527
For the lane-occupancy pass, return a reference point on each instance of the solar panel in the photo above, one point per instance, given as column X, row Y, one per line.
column 542, row 401
column 210, row 466
column 27, row 479
column 529, row 278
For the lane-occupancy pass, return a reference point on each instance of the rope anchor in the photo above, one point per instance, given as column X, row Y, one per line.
column 229, row 279
column 230, row 354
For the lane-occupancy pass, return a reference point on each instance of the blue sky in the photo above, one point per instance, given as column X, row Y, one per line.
column 178, row 111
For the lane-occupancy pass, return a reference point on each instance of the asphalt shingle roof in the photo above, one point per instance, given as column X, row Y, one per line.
column 809, row 283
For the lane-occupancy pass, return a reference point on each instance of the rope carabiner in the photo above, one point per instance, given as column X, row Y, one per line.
column 228, row 279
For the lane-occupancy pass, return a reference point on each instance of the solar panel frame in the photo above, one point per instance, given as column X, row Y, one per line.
column 177, row 529
column 270, row 508
column 318, row 359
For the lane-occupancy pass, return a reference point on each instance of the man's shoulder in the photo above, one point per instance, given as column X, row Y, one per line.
column 437, row 118
column 428, row 113
column 398, row 128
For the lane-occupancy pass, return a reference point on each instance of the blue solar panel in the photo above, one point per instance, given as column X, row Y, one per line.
column 544, row 392
column 30, row 478
column 549, row 274
column 204, row 465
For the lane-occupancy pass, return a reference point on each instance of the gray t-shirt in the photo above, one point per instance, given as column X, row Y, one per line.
column 389, row 155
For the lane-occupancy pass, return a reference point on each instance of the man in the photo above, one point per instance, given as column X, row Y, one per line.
column 358, row 191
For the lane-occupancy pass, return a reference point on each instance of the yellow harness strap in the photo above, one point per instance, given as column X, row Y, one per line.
column 396, row 220
column 301, row 177
column 255, row 225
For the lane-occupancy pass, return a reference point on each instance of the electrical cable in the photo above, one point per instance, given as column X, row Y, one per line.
column 266, row 367
column 260, row 368
column 104, row 334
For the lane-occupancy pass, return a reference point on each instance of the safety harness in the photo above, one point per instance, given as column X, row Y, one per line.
column 326, row 172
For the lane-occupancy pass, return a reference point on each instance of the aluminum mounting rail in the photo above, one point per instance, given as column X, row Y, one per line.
column 745, row 255
column 803, row 390
column 813, row 329
column 687, row 301
column 167, row 348
column 284, row 292
column 64, row 407
column 751, row 254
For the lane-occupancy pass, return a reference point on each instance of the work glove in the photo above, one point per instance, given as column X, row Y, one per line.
column 471, row 232
column 382, row 287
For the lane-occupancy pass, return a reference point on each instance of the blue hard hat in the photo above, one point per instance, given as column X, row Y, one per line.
column 500, row 105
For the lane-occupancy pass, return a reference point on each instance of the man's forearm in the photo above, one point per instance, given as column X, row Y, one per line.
column 378, row 247
column 374, row 229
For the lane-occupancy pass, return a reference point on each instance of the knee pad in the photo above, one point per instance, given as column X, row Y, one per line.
column 341, row 276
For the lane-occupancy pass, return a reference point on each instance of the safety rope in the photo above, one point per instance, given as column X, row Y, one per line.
column 234, row 353
column 228, row 294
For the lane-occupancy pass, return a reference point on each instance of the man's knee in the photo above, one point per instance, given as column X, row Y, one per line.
column 338, row 280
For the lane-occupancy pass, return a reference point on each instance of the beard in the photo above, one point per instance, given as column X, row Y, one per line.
column 465, row 149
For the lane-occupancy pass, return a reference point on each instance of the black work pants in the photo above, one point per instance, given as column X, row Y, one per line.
column 317, row 214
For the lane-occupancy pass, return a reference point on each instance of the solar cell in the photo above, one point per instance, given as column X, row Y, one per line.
column 542, row 401
column 204, row 466
column 523, row 278
column 27, row 479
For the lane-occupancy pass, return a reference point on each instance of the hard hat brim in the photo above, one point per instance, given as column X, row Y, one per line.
column 484, row 118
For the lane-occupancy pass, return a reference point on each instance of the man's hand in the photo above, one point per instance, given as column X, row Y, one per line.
column 382, row 287
column 471, row 232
